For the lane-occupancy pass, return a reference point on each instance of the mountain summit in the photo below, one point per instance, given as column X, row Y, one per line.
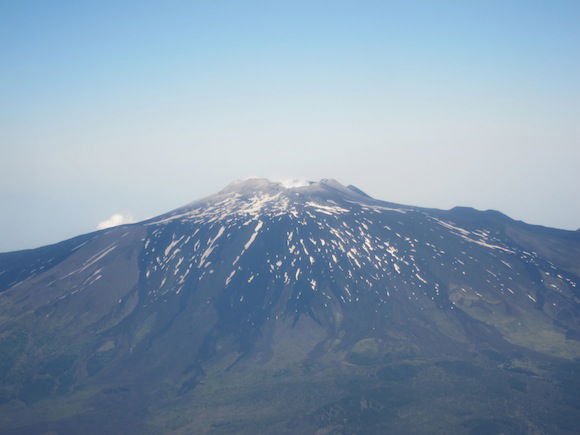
column 309, row 307
column 261, row 195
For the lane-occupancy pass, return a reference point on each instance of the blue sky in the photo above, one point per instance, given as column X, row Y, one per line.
column 137, row 107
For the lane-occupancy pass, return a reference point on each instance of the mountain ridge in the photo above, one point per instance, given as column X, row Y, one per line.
column 294, row 289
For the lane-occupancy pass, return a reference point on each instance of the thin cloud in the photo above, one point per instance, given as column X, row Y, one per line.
column 114, row 220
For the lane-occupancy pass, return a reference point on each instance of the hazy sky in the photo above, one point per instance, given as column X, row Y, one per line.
column 137, row 107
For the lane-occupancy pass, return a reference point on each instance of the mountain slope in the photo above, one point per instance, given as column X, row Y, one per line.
column 267, row 308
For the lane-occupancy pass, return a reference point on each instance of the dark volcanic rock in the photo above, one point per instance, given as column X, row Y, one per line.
column 267, row 308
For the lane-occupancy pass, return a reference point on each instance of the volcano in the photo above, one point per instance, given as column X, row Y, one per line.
column 295, row 308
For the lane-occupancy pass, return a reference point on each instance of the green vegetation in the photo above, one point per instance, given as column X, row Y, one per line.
column 98, row 361
column 36, row 389
column 398, row 372
column 11, row 348
column 460, row 368
column 364, row 352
